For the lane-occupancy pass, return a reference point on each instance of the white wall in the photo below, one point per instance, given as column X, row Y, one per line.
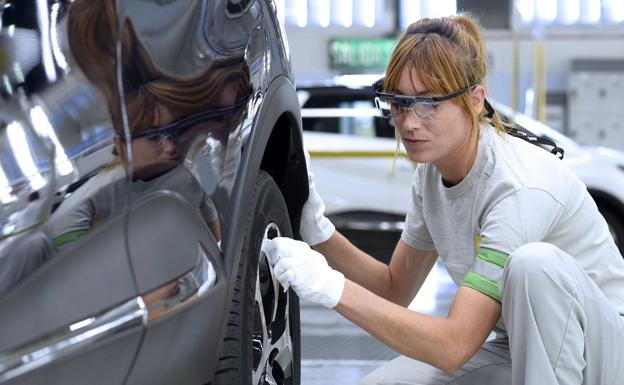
column 559, row 49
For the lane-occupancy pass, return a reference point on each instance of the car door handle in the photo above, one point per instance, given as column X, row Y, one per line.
column 183, row 291
column 138, row 311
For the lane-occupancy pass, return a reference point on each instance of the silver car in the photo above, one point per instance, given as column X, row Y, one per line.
column 145, row 151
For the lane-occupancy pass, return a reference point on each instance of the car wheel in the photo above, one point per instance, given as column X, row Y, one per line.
column 616, row 227
column 262, row 341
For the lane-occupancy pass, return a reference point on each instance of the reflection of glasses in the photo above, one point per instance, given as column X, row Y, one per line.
column 423, row 107
column 187, row 128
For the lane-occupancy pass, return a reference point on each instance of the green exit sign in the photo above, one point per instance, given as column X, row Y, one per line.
column 360, row 53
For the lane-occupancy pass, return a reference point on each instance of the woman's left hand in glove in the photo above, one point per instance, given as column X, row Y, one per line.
column 296, row 265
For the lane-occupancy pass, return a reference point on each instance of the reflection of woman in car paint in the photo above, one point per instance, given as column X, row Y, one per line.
column 516, row 230
column 167, row 122
column 167, row 118
column 211, row 105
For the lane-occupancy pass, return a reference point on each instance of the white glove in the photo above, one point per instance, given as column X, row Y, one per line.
column 295, row 264
column 315, row 227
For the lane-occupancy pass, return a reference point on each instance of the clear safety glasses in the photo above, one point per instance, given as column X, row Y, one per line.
column 188, row 127
column 395, row 106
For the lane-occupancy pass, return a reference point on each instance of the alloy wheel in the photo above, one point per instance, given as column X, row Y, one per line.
column 272, row 347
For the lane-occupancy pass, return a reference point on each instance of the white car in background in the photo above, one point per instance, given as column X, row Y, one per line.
column 365, row 179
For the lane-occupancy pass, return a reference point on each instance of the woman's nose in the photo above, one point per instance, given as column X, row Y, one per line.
column 410, row 121
column 169, row 145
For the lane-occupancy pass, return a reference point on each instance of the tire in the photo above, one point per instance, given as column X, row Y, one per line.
column 616, row 226
column 262, row 340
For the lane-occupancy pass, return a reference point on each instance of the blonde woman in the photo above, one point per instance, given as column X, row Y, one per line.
column 517, row 231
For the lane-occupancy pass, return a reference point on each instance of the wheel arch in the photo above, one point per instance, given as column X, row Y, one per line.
column 275, row 146
column 604, row 199
column 283, row 159
column 610, row 204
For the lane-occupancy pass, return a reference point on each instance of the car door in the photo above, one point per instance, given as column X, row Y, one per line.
column 76, row 318
column 182, row 157
column 70, row 310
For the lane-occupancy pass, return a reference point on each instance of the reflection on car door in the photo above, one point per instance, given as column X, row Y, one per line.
column 83, row 321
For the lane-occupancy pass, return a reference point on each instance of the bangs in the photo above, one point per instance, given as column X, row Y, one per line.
column 432, row 58
column 142, row 110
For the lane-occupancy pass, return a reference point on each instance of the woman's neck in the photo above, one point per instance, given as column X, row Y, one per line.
column 455, row 167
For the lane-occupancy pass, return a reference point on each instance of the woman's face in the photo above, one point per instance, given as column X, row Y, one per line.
column 151, row 158
column 443, row 139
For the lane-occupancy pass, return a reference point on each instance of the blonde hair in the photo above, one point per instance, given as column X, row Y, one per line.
column 447, row 54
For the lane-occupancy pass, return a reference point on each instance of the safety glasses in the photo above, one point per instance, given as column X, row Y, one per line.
column 188, row 127
column 395, row 106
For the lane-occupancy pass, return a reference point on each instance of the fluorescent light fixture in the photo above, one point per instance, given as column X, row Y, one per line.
column 615, row 10
column 56, row 50
column 301, row 12
column 438, row 8
column 570, row 11
column 17, row 71
column 546, row 10
column 280, row 10
column 46, row 54
column 42, row 125
column 526, row 9
column 590, row 11
column 6, row 195
column 410, row 12
column 7, row 84
column 296, row 12
column 342, row 12
column 368, row 12
column 23, row 155
column 322, row 12
column 81, row 324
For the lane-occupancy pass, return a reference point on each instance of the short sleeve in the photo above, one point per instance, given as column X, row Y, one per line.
column 415, row 234
column 522, row 217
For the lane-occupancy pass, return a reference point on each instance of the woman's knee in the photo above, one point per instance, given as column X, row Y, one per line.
column 403, row 370
column 530, row 262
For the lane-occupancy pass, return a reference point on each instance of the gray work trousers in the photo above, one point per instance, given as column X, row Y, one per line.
column 561, row 330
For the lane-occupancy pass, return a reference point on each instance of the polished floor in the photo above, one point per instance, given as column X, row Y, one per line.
column 335, row 351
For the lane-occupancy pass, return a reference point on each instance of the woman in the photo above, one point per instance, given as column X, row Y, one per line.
column 159, row 142
column 516, row 230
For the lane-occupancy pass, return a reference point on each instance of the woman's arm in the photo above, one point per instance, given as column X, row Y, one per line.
column 398, row 282
column 446, row 343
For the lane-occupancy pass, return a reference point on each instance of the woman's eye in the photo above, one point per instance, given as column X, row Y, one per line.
column 431, row 107
column 154, row 138
column 428, row 108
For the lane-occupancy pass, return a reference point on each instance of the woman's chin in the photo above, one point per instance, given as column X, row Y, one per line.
column 419, row 156
column 153, row 170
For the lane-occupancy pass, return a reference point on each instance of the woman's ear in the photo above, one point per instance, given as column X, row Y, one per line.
column 478, row 98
